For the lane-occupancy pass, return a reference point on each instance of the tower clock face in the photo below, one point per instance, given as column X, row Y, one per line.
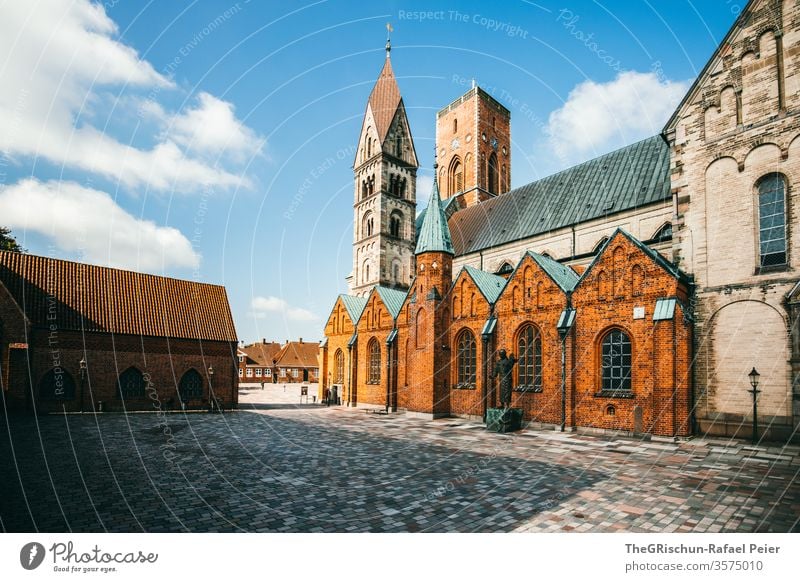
column 454, row 144
column 494, row 143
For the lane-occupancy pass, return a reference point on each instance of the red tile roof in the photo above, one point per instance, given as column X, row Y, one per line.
column 261, row 354
column 77, row 296
column 299, row 355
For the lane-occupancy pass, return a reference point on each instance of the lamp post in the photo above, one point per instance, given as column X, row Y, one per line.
column 754, row 377
column 211, row 398
column 82, row 366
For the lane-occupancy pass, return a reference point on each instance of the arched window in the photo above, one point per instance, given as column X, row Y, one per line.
column 396, row 272
column 396, row 224
column 398, row 146
column 529, row 368
column 456, row 176
column 616, row 361
column 366, row 273
column 664, row 233
column 130, row 384
column 419, row 328
column 57, row 384
column 191, row 386
column 772, row 220
column 455, row 125
column 505, row 269
column 599, row 245
column 493, row 174
column 466, row 359
column 338, row 360
column 374, row 351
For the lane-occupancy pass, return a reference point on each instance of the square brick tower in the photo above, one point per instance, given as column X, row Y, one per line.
column 473, row 140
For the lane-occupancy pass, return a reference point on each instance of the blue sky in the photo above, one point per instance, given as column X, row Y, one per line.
column 214, row 140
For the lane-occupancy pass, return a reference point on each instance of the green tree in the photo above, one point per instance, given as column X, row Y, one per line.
column 8, row 242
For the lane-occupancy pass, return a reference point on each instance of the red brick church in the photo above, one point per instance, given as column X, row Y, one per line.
column 608, row 281
column 77, row 337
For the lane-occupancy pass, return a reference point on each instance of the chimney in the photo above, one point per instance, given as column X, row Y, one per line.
column 263, row 340
column 301, row 340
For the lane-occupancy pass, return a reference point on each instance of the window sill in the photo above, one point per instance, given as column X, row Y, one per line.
column 771, row 269
column 464, row 387
column 528, row 389
column 614, row 394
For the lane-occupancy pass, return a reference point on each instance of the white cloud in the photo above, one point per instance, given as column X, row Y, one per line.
column 600, row 116
column 424, row 187
column 88, row 221
column 212, row 129
column 58, row 55
column 261, row 306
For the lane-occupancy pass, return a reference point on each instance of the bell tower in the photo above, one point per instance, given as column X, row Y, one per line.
column 385, row 201
column 473, row 137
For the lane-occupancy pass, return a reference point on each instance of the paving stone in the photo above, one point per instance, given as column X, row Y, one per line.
column 317, row 469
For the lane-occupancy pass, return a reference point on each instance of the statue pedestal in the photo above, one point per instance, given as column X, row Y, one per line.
column 503, row 419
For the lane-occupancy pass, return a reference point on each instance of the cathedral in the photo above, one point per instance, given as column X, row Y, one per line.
column 637, row 291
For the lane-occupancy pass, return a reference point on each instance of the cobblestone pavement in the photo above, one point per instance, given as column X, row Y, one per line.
column 286, row 467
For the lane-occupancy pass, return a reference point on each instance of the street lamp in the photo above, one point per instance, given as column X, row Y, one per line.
column 212, row 399
column 754, row 377
column 82, row 366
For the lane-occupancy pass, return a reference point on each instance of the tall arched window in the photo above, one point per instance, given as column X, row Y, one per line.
column 616, row 360
column 130, row 384
column 456, row 176
column 455, row 125
column 338, row 360
column 57, row 384
column 529, row 368
column 396, row 224
column 466, row 359
column 772, row 220
column 374, row 350
column 191, row 386
column 493, row 174
column 419, row 328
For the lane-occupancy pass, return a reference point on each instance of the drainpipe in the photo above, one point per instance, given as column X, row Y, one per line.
column 389, row 372
column 484, row 380
column 349, row 375
column 674, row 380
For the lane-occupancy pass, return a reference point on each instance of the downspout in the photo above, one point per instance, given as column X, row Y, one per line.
column 484, row 356
column 564, row 367
column 674, row 380
column 349, row 375
column 389, row 354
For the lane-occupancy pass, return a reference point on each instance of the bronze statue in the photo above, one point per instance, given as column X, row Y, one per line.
column 503, row 368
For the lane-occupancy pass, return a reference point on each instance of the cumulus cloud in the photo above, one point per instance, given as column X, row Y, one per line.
column 600, row 116
column 211, row 128
column 88, row 221
column 58, row 56
column 261, row 306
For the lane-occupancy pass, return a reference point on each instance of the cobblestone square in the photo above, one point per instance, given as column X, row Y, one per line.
column 288, row 467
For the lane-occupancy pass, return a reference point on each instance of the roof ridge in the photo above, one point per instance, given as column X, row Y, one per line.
column 118, row 269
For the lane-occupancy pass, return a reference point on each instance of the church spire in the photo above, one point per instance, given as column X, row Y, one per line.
column 385, row 97
column 434, row 236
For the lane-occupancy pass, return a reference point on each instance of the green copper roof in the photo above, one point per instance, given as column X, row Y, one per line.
column 354, row 306
column 489, row 285
column 631, row 177
column 393, row 299
column 563, row 276
column 434, row 235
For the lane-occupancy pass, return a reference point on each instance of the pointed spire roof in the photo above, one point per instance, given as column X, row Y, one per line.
column 384, row 99
column 434, row 236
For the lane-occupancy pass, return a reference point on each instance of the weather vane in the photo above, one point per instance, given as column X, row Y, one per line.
column 389, row 31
